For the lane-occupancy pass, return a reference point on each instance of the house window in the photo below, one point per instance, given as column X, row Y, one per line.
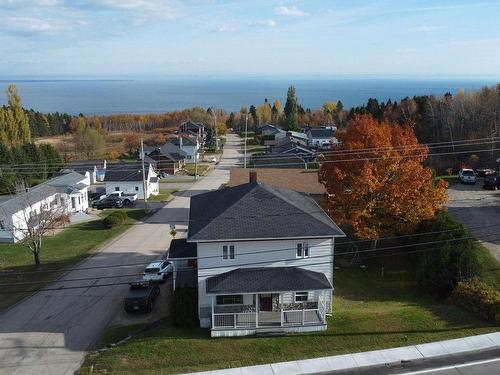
column 302, row 250
column 2, row 225
column 117, row 188
column 188, row 157
column 137, row 188
column 228, row 252
column 230, row 300
column 301, row 296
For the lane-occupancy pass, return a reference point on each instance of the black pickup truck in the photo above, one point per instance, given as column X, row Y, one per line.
column 141, row 296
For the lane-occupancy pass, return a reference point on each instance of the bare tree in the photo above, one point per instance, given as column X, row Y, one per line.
column 35, row 215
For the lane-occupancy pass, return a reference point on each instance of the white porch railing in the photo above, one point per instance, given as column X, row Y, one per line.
column 234, row 320
column 283, row 318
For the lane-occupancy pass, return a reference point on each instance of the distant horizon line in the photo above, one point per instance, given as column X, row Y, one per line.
column 213, row 77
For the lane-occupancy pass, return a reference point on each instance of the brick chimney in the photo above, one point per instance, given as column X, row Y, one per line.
column 252, row 176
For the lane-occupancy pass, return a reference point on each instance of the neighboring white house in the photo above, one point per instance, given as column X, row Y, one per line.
column 66, row 193
column 264, row 260
column 128, row 178
column 190, row 145
column 321, row 138
column 92, row 167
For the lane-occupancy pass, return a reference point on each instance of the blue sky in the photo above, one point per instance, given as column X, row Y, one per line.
column 131, row 38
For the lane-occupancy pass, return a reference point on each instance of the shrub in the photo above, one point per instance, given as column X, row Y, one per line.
column 450, row 260
column 114, row 219
column 183, row 310
column 479, row 298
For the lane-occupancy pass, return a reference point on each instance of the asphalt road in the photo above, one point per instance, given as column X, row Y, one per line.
column 50, row 332
column 479, row 211
column 481, row 362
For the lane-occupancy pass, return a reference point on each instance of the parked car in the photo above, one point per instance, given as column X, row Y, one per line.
column 467, row 176
column 127, row 199
column 491, row 183
column 212, row 159
column 108, row 202
column 164, row 175
column 159, row 270
column 141, row 296
column 483, row 172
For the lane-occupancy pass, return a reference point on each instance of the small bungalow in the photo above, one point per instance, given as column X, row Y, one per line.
column 189, row 145
column 128, row 177
column 66, row 194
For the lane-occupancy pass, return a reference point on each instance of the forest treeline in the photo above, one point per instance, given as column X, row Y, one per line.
column 450, row 118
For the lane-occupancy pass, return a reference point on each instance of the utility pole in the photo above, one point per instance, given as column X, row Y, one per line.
column 196, row 165
column 144, row 184
column 212, row 109
column 246, row 135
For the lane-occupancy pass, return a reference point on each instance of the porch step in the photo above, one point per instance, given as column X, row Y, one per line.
column 271, row 331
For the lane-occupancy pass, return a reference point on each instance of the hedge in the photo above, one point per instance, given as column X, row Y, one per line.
column 479, row 298
column 115, row 218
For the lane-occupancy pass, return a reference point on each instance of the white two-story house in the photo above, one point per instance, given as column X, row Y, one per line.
column 264, row 260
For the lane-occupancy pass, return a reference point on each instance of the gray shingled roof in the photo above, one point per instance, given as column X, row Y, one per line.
column 180, row 248
column 257, row 211
column 186, row 141
column 125, row 172
column 64, row 183
column 267, row 279
column 321, row 133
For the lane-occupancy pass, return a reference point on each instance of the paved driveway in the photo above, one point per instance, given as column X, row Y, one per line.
column 50, row 332
column 479, row 211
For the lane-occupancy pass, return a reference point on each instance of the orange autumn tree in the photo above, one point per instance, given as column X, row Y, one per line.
column 376, row 183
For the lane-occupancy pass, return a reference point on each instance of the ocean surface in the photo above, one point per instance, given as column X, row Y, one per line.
column 154, row 96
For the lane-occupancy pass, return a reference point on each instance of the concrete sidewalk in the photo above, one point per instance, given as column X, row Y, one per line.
column 373, row 358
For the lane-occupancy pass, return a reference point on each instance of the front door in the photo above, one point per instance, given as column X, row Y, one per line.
column 265, row 302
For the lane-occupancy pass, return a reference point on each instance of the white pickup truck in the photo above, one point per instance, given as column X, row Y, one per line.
column 127, row 199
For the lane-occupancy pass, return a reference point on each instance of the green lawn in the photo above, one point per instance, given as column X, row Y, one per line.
column 58, row 253
column 202, row 169
column 163, row 196
column 370, row 312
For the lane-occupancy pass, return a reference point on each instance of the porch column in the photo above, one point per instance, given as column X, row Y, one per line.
column 256, row 311
column 213, row 310
column 281, row 309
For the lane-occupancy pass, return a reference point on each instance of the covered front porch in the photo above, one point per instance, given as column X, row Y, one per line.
column 296, row 306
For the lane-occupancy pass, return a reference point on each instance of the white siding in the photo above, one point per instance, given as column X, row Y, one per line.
column 280, row 253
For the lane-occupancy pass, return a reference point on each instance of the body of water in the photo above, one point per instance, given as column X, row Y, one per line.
column 154, row 96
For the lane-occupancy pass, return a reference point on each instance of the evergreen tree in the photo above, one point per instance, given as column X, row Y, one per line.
column 291, row 121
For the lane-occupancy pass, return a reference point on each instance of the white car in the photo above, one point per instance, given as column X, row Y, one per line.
column 212, row 159
column 158, row 270
column 467, row 176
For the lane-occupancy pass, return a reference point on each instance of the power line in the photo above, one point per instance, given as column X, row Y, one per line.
column 461, row 143
column 251, row 253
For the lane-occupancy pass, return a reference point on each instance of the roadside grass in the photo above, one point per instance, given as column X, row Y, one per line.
column 257, row 149
column 202, row 169
column 58, row 253
column 163, row 196
column 370, row 312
